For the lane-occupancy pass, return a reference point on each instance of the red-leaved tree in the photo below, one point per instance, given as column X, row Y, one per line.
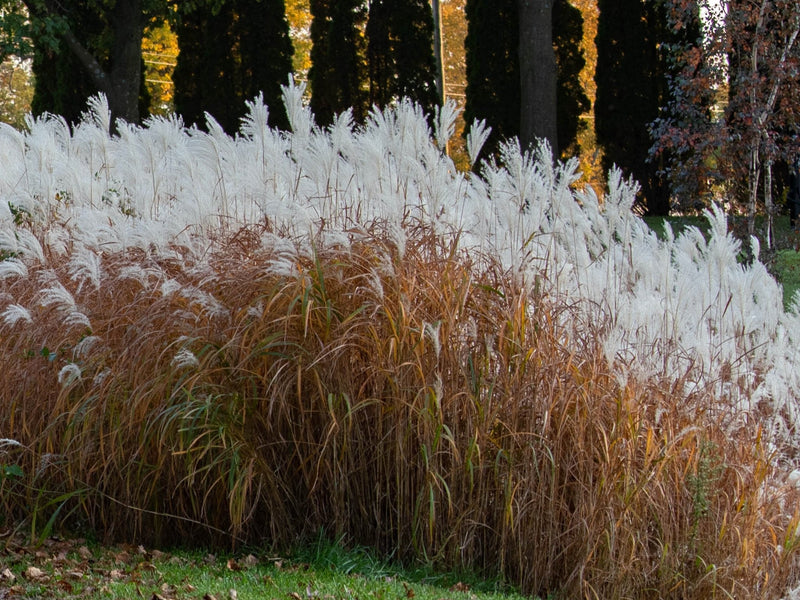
column 737, row 105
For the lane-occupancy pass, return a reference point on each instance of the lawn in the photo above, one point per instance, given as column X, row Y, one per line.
column 74, row 568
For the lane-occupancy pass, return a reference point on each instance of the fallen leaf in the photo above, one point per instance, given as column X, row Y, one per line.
column 233, row 565
column 167, row 588
column 7, row 575
column 409, row 590
column 34, row 573
column 294, row 596
column 84, row 553
column 116, row 574
column 233, row 594
column 460, row 587
column 209, row 597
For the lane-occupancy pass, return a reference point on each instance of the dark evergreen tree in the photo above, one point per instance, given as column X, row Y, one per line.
column 228, row 54
column 400, row 52
column 338, row 59
column 493, row 77
column 632, row 86
column 572, row 99
column 493, row 89
column 62, row 84
column 265, row 55
column 204, row 75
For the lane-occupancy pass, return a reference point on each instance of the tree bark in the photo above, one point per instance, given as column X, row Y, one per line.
column 537, row 66
column 126, row 60
column 437, row 50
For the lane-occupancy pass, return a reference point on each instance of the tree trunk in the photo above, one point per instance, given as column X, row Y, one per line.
column 437, row 49
column 537, row 67
column 752, row 187
column 125, row 75
column 768, row 206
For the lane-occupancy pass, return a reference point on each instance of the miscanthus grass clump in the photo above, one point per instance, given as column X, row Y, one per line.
column 255, row 338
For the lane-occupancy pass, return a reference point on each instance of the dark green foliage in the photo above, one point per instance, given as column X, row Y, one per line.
column 572, row 100
column 493, row 78
column 400, row 52
column 205, row 70
column 493, row 85
column 229, row 56
column 632, row 86
column 62, row 83
column 338, row 59
column 265, row 54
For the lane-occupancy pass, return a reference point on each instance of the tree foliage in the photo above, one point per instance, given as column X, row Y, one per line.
column 400, row 52
column 16, row 91
column 633, row 63
column 62, row 82
column 115, row 69
column 230, row 54
column 493, row 91
column 160, row 51
column 338, row 59
column 572, row 100
column 744, row 71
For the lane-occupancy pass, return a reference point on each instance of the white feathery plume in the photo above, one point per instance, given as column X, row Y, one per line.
column 85, row 266
column 69, row 374
column 98, row 112
column 256, row 122
column 431, row 331
column 28, row 243
column 445, row 123
column 300, row 119
column 84, row 347
column 169, row 287
column 12, row 267
column 184, row 358
column 60, row 296
column 101, row 377
column 77, row 318
column 476, row 138
column 14, row 313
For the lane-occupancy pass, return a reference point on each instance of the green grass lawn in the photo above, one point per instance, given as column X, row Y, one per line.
column 66, row 569
column 787, row 267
